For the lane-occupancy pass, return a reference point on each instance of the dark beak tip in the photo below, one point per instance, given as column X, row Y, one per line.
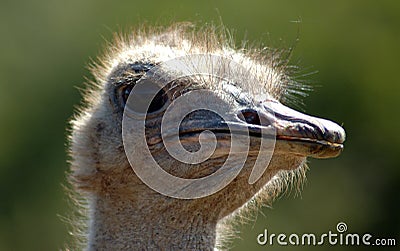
column 339, row 135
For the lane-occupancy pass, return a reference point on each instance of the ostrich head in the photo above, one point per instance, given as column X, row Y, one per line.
column 127, row 212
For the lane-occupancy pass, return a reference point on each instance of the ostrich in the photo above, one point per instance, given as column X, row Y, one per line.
column 124, row 213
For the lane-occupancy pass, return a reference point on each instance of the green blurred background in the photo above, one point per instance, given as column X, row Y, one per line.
column 353, row 45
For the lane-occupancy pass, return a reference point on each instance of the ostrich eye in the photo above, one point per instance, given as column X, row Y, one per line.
column 156, row 104
column 158, row 101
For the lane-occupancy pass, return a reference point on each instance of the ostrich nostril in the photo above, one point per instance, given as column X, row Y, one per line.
column 250, row 116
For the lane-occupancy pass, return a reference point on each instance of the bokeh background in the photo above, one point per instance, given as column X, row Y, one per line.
column 351, row 47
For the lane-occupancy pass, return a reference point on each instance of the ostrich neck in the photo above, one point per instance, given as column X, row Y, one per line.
column 118, row 223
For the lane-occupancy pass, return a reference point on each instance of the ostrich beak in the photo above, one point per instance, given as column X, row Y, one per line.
column 295, row 133
column 302, row 134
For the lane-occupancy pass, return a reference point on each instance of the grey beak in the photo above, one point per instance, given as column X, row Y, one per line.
column 297, row 132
